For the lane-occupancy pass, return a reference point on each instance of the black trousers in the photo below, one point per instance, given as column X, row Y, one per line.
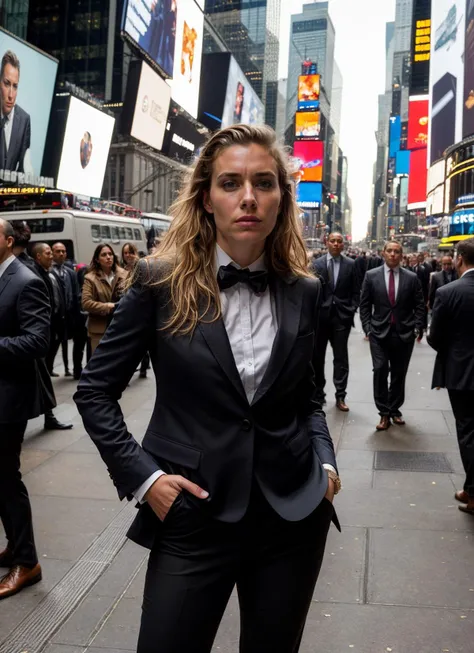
column 390, row 355
column 15, row 509
column 54, row 344
column 197, row 562
column 462, row 403
column 79, row 345
column 334, row 331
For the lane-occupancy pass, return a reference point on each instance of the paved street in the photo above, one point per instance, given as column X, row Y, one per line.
column 400, row 577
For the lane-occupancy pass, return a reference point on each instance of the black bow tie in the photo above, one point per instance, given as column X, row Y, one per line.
column 229, row 275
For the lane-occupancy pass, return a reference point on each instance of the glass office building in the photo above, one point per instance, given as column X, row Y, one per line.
column 14, row 16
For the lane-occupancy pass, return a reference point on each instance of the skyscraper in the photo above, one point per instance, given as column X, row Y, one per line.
column 14, row 16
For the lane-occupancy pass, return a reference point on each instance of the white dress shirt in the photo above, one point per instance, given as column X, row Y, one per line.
column 396, row 274
column 251, row 324
column 5, row 264
column 8, row 127
column 337, row 266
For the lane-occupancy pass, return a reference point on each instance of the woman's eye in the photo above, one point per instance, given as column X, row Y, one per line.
column 229, row 185
column 265, row 184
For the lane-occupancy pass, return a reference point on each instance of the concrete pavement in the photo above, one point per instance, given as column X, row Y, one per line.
column 400, row 577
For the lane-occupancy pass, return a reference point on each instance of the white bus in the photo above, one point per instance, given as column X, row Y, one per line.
column 81, row 231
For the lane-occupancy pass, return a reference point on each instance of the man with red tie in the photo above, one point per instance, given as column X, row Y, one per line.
column 392, row 311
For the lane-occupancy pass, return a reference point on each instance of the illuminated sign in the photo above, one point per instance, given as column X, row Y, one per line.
column 27, row 190
column 309, row 195
column 310, row 155
column 422, row 40
column 394, row 135
column 307, row 125
column 417, row 180
column 308, row 91
column 418, row 122
column 420, row 47
column 462, row 223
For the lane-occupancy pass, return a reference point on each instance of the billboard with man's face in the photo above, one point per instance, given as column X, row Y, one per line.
column 242, row 104
column 26, row 75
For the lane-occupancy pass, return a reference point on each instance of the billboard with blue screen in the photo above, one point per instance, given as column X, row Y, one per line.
column 394, row 135
column 402, row 162
column 309, row 194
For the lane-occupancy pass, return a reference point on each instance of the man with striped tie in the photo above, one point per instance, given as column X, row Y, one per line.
column 392, row 311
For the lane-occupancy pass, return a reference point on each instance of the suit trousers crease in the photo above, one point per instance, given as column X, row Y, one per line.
column 197, row 561
column 337, row 334
column 390, row 356
column 462, row 403
column 15, row 508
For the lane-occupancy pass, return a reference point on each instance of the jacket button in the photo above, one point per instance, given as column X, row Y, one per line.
column 246, row 425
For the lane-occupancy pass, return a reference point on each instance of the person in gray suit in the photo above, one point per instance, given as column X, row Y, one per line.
column 15, row 123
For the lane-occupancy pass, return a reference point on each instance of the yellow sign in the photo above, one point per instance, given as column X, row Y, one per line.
column 422, row 41
column 26, row 190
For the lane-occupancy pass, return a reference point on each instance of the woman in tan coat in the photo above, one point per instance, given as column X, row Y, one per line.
column 103, row 286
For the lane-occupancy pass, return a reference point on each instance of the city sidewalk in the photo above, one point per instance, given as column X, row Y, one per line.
column 400, row 577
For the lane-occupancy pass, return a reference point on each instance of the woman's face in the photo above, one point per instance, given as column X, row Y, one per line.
column 106, row 259
column 128, row 256
column 244, row 197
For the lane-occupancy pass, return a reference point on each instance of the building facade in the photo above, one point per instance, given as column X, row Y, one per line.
column 14, row 16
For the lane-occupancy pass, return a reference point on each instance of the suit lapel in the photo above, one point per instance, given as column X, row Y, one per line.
column 401, row 284
column 342, row 270
column 289, row 300
column 13, row 147
column 6, row 276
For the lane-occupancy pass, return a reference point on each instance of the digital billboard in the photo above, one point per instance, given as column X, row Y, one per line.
column 187, row 56
column 395, row 132
column 468, row 106
column 85, row 149
column 417, row 179
column 242, row 103
column 28, row 77
column 152, row 103
column 418, row 122
column 403, row 194
column 182, row 139
column 448, row 20
column 309, row 194
column 151, row 25
column 307, row 125
column 310, row 155
column 461, row 223
column 420, row 47
column 402, row 162
column 309, row 87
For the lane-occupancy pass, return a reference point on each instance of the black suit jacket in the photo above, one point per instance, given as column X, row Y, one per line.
column 344, row 298
column 24, row 338
column 451, row 335
column 203, row 425
column 424, row 278
column 376, row 310
column 438, row 280
column 20, row 140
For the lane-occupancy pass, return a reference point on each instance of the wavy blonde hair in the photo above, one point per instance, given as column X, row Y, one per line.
column 188, row 248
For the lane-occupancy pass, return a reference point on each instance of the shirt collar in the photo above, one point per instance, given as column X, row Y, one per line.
column 6, row 264
column 9, row 117
column 223, row 259
column 467, row 272
column 387, row 269
column 336, row 258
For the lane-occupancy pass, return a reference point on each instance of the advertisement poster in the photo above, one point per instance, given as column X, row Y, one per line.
column 307, row 125
column 85, row 149
column 448, row 27
column 402, row 162
column 151, row 25
column 27, row 75
column 242, row 103
column 309, row 195
column 151, row 108
column 418, row 122
column 187, row 56
column 468, row 108
column 308, row 92
column 417, row 180
column 310, row 155
column 395, row 133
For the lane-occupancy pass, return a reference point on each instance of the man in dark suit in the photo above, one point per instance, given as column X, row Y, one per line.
column 15, row 124
column 339, row 304
column 392, row 311
column 24, row 338
column 423, row 275
column 451, row 336
column 440, row 279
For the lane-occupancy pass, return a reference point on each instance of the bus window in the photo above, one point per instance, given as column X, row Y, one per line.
column 129, row 233
column 95, row 231
column 46, row 225
column 122, row 233
column 105, row 232
column 136, row 233
column 115, row 235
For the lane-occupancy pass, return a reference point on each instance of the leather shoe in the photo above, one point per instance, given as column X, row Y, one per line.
column 341, row 404
column 67, row 373
column 399, row 421
column 6, row 559
column 52, row 424
column 54, row 375
column 384, row 423
column 17, row 578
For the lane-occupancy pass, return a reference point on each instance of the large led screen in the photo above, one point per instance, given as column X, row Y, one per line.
column 448, row 20
column 308, row 92
column 27, row 84
column 418, row 123
column 307, row 125
column 310, row 155
column 187, row 56
column 151, row 108
column 461, row 223
column 395, row 132
column 85, row 149
column 402, row 162
column 309, row 194
column 468, row 107
column 242, row 104
column 417, row 180
column 151, row 25
column 182, row 140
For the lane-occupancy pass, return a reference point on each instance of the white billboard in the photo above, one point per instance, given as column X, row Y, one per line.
column 187, row 56
column 85, row 149
column 242, row 104
column 151, row 108
column 448, row 22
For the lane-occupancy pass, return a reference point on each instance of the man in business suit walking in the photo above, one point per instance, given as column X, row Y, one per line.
column 451, row 336
column 440, row 279
column 24, row 338
column 341, row 288
column 392, row 311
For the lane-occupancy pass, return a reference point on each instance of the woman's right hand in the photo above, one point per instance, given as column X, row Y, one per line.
column 109, row 307
column 164, row 491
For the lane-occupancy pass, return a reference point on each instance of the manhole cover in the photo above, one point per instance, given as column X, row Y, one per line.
column 410, row 461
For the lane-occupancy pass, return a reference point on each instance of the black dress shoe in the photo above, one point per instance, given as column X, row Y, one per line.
column 67, row 373
column 52, row 424
column 6, row 559
column 142, row 375
column 53, row 374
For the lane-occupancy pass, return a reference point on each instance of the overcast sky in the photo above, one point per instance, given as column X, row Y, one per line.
column 360, row 53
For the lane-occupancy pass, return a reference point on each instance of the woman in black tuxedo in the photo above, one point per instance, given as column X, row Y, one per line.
column 236, row 474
